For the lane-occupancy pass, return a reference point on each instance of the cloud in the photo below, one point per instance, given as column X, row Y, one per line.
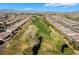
column 25, row 9
column 60, row 4
column 29, row 9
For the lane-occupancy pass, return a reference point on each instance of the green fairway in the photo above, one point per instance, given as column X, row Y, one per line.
column 43, row 30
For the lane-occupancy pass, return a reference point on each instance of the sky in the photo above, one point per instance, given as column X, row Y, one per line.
column 60, row 7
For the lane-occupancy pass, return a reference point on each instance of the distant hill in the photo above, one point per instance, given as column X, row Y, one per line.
column 17, row 11
column 8, row 11
column 34, row 11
